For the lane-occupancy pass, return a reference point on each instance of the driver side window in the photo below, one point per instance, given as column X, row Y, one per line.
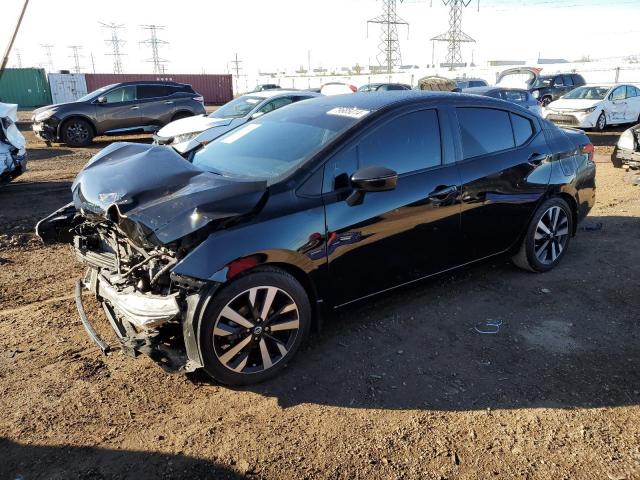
column 619, row 93
column 122, row 94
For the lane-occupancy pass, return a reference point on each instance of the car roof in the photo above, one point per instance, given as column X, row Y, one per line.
column 148, row 82
column 489, row 88
column 276, row 93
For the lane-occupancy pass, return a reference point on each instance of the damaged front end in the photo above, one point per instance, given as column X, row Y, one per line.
column 137, row 211
column 13, row 154
column 626, row 153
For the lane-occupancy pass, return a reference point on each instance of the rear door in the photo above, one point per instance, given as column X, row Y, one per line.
column 633, row 104
column 120, row 112
column 504, row 168
column 156, row 104
column 401, row 235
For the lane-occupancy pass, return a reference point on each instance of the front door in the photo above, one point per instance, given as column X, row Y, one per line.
column 616, row 111
column 120, row 111
column 504, row 173
column 396, row 236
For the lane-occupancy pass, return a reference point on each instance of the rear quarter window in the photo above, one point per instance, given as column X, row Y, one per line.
column 484, row 131
column 522, row 129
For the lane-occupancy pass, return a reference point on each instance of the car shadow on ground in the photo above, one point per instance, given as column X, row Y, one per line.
column 566, row 338
column 65, row 462
column 607, row 138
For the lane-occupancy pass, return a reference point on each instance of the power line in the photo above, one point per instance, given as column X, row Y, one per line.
column 389, row 54
column 159, row 64
column 76, row 57
column 115, row 43
column 455, row 36
column 48, row 49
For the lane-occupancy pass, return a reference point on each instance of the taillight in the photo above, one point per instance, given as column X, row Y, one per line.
column 588, row 149
column 353, row 88
column 199, row 99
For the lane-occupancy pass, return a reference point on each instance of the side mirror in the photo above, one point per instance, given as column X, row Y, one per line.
column 371, row 179
column 102, row 100
column 256, row 115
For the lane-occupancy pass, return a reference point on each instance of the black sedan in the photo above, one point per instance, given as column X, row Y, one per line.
column 225, row 261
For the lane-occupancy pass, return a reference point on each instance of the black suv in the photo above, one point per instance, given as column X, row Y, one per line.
column 544, row 88
column 118, row 109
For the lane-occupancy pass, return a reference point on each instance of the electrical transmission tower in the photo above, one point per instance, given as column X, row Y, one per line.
column 455, row 36
column 237, row 68
column 389, row 48
column 47, row 48
column 115, row 44
column 76, row 57
column 154, row 42
column 18, row 58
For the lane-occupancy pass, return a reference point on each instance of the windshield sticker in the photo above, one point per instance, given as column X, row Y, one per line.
column 241, row 133
column 252, row 101
column 351, row 112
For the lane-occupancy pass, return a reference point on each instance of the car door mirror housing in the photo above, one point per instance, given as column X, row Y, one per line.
column 256, row 115
column 101, row 100
column 371, row 179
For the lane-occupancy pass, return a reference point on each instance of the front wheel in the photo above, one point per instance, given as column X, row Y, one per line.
column 547, row 237
column 601, row 123
column 77, row 132
column 254, row 326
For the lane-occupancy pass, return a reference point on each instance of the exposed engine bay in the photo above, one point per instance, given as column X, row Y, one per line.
column 13, row 154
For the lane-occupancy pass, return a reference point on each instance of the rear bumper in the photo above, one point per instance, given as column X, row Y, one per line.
column 622, row 157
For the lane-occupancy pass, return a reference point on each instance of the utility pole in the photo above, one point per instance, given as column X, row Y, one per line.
column 389, row 48
column 7, row 52
column 76, row 57
column 455, row 36
column 237, row 69
column 154, row 42
column 48, row 49
column 115, row 43
column 93, row 63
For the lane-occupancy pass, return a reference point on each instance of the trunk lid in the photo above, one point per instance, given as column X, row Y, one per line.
column 520, row 77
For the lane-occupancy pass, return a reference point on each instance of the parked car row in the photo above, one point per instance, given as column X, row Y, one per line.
column 226, row 259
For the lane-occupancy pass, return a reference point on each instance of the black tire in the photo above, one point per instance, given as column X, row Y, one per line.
column 617, row 162
column 77, row 132
column 181, row 115
column 539, row 251
column 601, row 122
column 226, row 345
column 545, row 101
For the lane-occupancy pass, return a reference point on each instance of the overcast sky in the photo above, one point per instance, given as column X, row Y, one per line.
column 204, row 35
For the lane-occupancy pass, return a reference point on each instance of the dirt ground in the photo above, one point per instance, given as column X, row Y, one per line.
column 402, row 386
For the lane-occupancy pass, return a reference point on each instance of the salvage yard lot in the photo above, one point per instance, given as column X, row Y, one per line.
column 400, row 386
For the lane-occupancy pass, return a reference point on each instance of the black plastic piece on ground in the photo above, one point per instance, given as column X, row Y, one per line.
column 104, row 346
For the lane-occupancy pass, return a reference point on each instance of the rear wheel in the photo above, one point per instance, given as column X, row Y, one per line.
column 253, row 327
column 547, row 237
column 77, row 132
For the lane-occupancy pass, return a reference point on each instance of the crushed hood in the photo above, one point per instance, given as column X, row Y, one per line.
column 155, row 195
column 8, row 119
column 569, row 104
column 193, row 124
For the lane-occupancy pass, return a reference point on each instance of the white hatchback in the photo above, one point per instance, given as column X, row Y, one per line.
column 596, row 106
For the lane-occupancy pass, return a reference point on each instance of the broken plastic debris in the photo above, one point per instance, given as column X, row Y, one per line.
column 488, row 326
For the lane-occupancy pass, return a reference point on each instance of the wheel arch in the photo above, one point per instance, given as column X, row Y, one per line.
column 573, row 205
column 182, row 113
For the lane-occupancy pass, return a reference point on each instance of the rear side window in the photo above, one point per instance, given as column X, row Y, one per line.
column 405, row 144
column 568, row 81
column 152, row 91
column 632, row 91
column 484, row 131
column 522, row 129
column 512, row 96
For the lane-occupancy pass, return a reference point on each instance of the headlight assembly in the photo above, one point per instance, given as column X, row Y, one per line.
column 627, row 141
column 42, row 116
column 185, row 137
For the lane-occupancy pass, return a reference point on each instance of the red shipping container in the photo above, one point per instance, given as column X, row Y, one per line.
column 216, row 89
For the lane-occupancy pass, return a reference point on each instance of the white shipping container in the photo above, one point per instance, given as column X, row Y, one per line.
column 67, row 87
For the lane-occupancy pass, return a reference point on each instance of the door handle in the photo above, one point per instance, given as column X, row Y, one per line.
column 135, row 108
column 442, row 192
column 168, row 102
column 536, row 159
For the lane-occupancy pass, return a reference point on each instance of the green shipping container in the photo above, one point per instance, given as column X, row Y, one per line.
column 28, row 87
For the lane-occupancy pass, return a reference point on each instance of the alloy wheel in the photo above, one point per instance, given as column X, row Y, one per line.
column 256, row 329
column 77, row 132
column 602, row 122
column 552, row 233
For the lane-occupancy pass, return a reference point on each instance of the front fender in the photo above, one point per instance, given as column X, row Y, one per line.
column 297, row 240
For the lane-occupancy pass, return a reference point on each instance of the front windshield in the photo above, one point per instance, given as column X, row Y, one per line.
column 542, row 82
column 588, row 93
column 273, row 146
column 94, row 94
column 237, row 108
